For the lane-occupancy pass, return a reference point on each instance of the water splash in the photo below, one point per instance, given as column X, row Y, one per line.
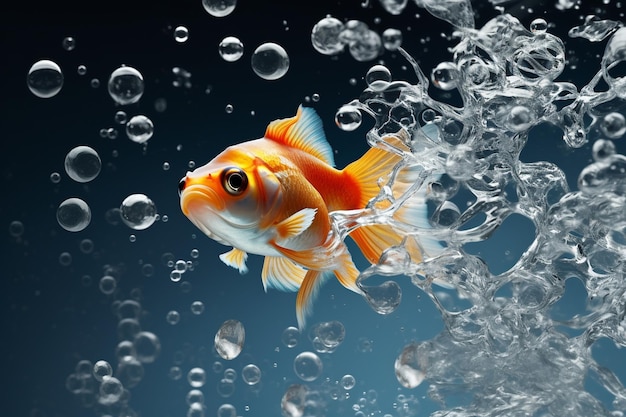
column 504, row 352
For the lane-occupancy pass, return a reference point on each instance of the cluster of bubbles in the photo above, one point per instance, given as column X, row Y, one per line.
column 330, row 36
column 105, row 388
column 501, row 350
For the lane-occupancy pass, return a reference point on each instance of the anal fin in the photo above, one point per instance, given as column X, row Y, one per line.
column 282, row 274
column 236, row 258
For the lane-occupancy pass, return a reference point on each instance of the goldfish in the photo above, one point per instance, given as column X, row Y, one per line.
column 273, row 197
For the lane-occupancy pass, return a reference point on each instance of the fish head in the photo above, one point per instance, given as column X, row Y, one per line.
column 236, row 192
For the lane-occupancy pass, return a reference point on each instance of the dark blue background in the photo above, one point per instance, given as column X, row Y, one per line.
column 51, row 320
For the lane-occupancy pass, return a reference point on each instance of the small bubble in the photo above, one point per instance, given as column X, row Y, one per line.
column 139, row 129
column 81, row 70
column 230, row 49
column 172, row 317
column 195, row 253
column 219, row 8
column 197, row 307
column 112, row 134
column 147, row 270
column 538, row 26
column 181, row 34
column 132, row 238
column 270, row 61
column 73, row 215
column 160, row 105
column 82, row 164
column 195, row 396
column 325, row 36
column 315, row 97
column 392, row 39
column 251, row 374
column 111, row 390
column 147, row 346
column 94, row 83
column 196, row 377
column 229, row 108
column 348, row 118
column 138, row 212
column 69, row 43
column 225, row 388
column 16, row 228
column 613, row 125
column 45, row 79
column 175, row 276
column 290, row 337
column 226, row 410
column 347, row 382
column 107, row 284
column 175, row 373
column 602, row 149
column 307, row 366
column 102, row 369
column 444, row 76
column 86, row 246
column 65, row 259
column 166, row 166
column 120, row 117
column 126, row 85
column 55, row 177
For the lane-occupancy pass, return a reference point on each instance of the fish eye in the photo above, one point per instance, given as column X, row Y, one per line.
column 234, row 181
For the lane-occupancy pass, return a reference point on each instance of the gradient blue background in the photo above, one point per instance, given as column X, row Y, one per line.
column 50, row 320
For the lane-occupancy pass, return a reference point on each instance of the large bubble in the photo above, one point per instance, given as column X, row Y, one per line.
column 229, row 339
column 82, row 164
column 219, row 8
column 45, row 79
column 138, row 211
column 73, row 215
column 126, row 85
column 270, row 61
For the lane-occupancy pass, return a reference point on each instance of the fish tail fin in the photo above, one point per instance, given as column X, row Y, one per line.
column 367, row 172
column 306, row 294
column 379, row 163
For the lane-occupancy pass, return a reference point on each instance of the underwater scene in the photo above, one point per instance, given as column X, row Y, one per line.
column 177, row 242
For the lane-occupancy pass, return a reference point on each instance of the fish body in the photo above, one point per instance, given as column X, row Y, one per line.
column 272, row 197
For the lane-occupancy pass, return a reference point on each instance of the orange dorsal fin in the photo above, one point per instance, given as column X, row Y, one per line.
column 303, row 131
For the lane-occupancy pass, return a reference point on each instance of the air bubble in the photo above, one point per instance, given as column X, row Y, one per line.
column 45, row 79
column 139, row 129
column 73, row 215
column 138, row 212
column 270, row 61
column 307, row 366
column 181, row 34
column 126, row 85
column 219, row 8
column 392, row 39
column 348, row 118
column 325, row 36
column 230, row 49
column 229, row 339
column 82, row 164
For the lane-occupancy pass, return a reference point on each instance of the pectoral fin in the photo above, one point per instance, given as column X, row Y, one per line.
column 295, row 224
column 282, row 274
column 236, row 258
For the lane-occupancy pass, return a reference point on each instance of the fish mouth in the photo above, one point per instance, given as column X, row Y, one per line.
column 198, row 198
